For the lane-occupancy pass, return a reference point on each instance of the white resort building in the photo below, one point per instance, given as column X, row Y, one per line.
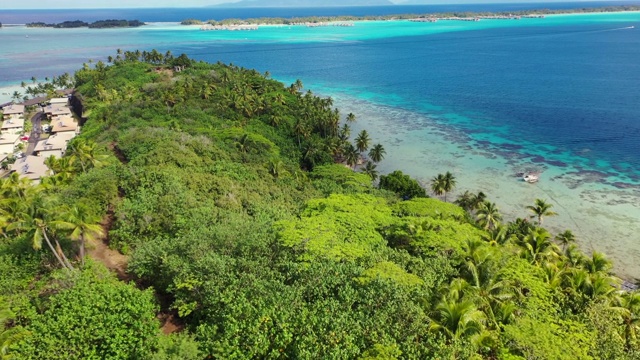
column 8, row 144
column 55, row 145
column 12, row 119
column 31, row 167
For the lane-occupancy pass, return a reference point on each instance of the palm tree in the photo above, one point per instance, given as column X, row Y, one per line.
column 457, row 319
column 488, row 215
column 573, row 257
column 541, row 209
column 628, row 306
column 301, row 130
column 449, row 184
column 243, row 144
column 464, row 200
column 86, row 153
column 83, row 226
column 370, row 169
column 34, row 221
column 565, row 238
column 351, row 155
column 377, row 152
column 498, row 236
column 437, row 185
column 277, row 168
column 362, row 141
column 8, row 336
column 442, row 184
column 537, row 246
column 597, row 263
column 351, row 117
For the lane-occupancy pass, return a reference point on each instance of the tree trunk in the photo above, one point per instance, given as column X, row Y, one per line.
column 53, row 250
column 82, row 250
column 63, row 256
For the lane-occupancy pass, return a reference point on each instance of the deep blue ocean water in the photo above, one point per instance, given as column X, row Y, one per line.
column 575, row 88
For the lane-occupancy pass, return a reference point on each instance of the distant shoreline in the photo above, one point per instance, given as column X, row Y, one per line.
column 458, row 15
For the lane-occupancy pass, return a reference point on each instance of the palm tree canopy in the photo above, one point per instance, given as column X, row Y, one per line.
column 362, row 141
column 488, row 215
column 377, row 153
column 540, row 209
column 457, row 319
column 437, row 185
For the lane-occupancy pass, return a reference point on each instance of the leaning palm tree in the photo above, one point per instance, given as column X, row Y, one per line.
column 488, row 215
column 541, row 209
column 362, row 141
column 83, row 226
column 35, row 221
column 377, row 152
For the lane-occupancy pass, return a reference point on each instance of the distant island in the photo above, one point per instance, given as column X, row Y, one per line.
column 100, row 24
column 304, row 3
column 458, row 15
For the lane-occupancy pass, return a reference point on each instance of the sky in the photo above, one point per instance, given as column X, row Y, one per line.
column 99, row 4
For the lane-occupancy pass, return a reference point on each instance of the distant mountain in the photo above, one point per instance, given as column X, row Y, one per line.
column 304, row 3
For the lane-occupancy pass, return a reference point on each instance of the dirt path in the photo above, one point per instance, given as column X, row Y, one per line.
column 112, row 259
column 117, row 262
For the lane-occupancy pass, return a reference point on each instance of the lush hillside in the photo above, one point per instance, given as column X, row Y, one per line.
column 226, row 191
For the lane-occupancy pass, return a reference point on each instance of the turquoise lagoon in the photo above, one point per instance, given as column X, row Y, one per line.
column 484, row 100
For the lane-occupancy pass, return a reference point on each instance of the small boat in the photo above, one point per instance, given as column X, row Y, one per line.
column 530, row 178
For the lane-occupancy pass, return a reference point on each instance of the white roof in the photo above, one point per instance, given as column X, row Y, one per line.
column 64, row 123
column 57, row 110
column 31, row 167
column 55, row 142
column 13, row 109
column 59, row 101
column 12, row 123
column 9, row 138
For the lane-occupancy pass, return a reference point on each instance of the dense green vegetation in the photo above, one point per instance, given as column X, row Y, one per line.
column 235, row 198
